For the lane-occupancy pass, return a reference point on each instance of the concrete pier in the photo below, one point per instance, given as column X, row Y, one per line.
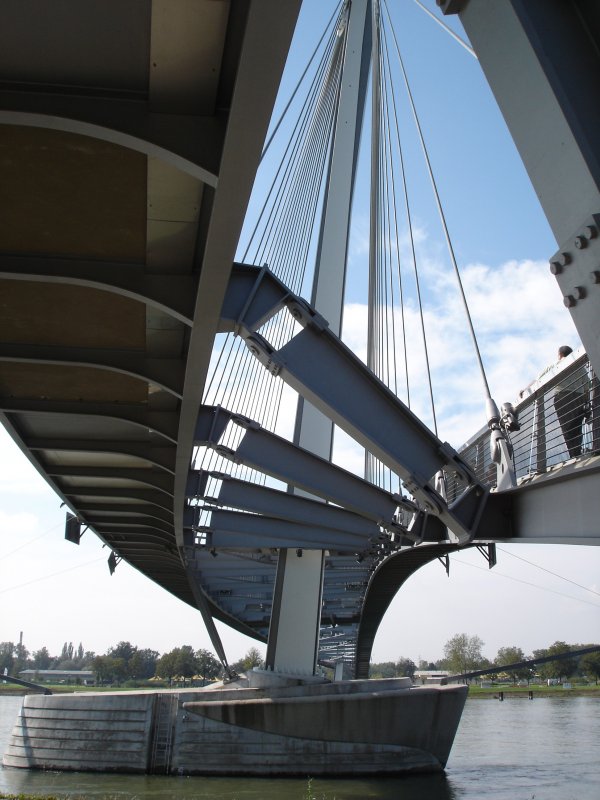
column 344, row 728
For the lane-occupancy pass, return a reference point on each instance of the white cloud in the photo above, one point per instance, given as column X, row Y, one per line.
column 519, row 324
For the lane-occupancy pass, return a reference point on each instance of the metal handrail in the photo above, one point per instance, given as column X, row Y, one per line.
column 559, row 417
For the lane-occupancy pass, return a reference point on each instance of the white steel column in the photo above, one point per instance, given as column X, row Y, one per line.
column 372, row 353
column 295, row 623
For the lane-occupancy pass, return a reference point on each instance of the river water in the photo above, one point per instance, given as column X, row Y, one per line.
column 542, row 749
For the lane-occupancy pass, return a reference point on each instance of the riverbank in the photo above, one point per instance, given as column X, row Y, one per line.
column 539, row 690
column 36, row 797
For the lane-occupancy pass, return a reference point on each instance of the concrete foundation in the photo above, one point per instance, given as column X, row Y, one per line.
column 345, row 728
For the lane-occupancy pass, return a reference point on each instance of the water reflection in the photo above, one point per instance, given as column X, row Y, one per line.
column 132, row 787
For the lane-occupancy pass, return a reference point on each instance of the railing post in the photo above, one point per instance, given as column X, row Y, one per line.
column 595, row 404
column 540, row 424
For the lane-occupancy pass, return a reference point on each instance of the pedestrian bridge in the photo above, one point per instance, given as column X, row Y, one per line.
column 124, row 184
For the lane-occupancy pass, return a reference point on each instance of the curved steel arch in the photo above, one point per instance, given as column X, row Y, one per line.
column 383, row 587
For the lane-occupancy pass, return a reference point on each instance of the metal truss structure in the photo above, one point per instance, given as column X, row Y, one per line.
column 130, row 135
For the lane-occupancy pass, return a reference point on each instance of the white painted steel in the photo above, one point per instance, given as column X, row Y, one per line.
column 295, row 639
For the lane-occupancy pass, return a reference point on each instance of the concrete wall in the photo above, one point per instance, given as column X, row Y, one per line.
column 98, row 732
column 152, row 732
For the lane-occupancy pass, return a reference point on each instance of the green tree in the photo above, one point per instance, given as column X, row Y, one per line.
column 186, row 665
column 384, row 669
column 142, row 664
column 109, row 669
column 124, row 651
column 87, row 660
column 101, row 669
column 7, row 656
column 590, row 664
column 21, row 658
column 118, row 669
column 66, row 652
column 556, row 670
column 253, row 658
column 209, row 667
column 41, row 659
column 512, row 655
column 405, row 668
column 463, row 653
column 166, row 666
column 68, row 663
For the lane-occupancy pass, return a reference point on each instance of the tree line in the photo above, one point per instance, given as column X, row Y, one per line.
column 124, row 662
column 463, row 653
column 127, row 663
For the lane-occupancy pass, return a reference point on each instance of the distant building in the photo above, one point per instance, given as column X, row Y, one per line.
column 85, row 677
column 430, row 675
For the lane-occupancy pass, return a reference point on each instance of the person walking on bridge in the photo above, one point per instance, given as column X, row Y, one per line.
column 571, row 395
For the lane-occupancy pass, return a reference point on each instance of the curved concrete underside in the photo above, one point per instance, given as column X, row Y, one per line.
column 130, row 135
column 124, row 182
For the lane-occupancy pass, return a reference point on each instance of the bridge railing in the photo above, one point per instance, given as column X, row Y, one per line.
column 559, row 417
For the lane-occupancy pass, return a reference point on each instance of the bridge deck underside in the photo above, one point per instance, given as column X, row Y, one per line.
column 129, row 138
column 130, row 135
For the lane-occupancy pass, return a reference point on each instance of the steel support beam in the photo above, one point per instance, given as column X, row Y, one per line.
column 557, row 507
column 158, row 479
column 389, row 430
column 132, row 497
column 115, row 523
column 168, row 373
column 192, row 144
column 235, row 529
column 262, row 500
column 104, row 512
column 280, row 459
column 124, row 536
column 163, row 423
column 162, row 457
column 174, row 294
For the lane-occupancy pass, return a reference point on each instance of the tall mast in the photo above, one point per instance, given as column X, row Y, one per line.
column 372, row 353
column 295, row 622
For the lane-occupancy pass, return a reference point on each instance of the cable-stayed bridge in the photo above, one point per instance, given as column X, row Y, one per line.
column 126, row 180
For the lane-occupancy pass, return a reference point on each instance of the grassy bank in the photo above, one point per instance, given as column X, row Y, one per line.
column 8, row 689
column 538, row 690
column 36, row 797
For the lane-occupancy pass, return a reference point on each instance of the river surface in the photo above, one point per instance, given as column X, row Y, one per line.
column 541, row 749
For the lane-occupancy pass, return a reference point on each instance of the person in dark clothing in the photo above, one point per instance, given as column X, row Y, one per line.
column 570, row 404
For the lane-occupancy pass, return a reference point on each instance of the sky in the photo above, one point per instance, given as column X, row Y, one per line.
column 53, row 591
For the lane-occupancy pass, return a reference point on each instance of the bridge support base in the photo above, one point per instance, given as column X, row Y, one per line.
column 298, row 727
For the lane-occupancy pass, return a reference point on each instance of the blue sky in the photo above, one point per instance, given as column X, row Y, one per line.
column 54, row 591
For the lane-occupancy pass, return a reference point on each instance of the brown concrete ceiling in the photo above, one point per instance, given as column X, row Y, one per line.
column 130, row 133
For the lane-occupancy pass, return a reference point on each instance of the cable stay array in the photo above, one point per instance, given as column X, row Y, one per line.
column 281, row 239
column 250, row 432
